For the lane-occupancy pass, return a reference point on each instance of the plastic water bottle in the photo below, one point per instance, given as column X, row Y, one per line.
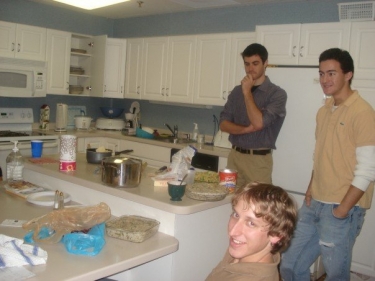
column 15, row 164
column 191, row 175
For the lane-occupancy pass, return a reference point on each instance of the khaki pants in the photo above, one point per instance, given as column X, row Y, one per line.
column 251, row 167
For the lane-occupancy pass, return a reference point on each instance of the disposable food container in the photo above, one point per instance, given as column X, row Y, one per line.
column 205, row 191
column 132, row 228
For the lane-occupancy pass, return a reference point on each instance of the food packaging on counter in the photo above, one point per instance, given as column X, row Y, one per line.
column 44, row 117
column 132, row 228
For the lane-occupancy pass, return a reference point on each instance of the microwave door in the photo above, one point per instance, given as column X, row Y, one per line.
column 16, row 83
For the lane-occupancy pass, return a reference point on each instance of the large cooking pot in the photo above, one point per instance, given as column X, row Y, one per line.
column 121, row 171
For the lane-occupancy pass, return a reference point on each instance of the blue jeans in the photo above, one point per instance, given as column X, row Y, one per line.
column 319, row 232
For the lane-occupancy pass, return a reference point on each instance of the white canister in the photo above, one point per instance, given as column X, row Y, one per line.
column 68, row 144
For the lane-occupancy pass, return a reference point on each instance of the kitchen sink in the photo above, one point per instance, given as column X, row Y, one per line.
column 172, row 140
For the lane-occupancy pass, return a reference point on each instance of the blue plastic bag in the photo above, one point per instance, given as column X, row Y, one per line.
column 89, row 244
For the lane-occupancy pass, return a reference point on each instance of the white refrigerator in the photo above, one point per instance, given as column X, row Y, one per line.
column 293, row 157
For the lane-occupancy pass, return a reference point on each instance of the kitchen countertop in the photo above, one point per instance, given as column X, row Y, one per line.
column 207, row 149
column 116, row 256
column 145, row 193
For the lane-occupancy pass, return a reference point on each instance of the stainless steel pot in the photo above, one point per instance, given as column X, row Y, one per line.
column 121, row 171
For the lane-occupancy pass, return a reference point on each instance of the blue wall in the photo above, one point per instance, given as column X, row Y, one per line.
column 217, row 20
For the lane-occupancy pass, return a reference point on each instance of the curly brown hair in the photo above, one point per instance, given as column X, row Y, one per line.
column 275, row 206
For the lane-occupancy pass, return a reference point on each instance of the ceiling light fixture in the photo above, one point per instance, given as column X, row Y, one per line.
column 90, row 4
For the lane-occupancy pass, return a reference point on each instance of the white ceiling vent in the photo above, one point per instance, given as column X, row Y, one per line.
column 205, row 3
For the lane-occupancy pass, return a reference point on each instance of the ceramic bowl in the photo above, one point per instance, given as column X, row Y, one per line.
column 111, row 112
column 175, row 190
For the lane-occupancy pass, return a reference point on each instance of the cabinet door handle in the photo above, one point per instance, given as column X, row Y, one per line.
column 122, row 89
column 162, row 92
column 12, row 47
column 105, row 88
column 138, row 90
column 293, row 52
column 166, row 92
column 19, row 47
column 223, row 96
column 67, row 87
column 301, row 52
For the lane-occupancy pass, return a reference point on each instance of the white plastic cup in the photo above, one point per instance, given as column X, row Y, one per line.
column 200, row 138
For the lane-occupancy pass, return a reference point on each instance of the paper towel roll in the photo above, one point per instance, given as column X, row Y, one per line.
column 68, row 144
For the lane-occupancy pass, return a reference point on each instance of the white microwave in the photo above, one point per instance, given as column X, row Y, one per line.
column 22, row 78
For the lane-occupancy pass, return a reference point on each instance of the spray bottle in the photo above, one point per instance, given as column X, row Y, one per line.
column 194, row 136
column 15, row 163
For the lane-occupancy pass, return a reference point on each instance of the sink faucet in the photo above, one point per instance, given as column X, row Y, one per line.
column 174, row 131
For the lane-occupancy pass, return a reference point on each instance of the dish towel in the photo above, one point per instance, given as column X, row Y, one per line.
column 14, row 253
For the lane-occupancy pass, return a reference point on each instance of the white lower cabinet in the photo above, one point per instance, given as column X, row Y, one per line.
column 95, row 142
column 154, row 155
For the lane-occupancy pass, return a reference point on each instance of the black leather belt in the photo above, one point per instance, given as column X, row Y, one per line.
column 252, row 151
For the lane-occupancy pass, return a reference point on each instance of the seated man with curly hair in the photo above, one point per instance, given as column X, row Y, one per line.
column 260, row 227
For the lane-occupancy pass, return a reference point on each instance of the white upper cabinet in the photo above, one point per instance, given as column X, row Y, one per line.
column 168, row 68
column 180, row 69
column 58, row 58
column 301, row 44
column 362, row 50
column 133, row 68
column 237, row 69
column 22, row 41
column 108, row 71
column 154, row 69
column 212, row 69
column 219, row 66
column 114, row 76
column 81, row 64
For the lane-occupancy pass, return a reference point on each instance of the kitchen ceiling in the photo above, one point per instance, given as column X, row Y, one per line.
column 138, row 8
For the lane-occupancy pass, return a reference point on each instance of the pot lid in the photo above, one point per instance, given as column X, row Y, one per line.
column 121, row 159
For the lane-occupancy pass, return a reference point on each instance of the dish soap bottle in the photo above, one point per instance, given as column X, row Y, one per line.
column 15, row 164
column 194, row 137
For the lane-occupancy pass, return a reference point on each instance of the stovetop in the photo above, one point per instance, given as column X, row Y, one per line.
column 12, row 134
column 8, row 133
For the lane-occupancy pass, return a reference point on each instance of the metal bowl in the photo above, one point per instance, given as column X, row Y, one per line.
column 94, row 157
column 111, row 112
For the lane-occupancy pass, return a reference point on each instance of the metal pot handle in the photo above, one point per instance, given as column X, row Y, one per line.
column 124, row 151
